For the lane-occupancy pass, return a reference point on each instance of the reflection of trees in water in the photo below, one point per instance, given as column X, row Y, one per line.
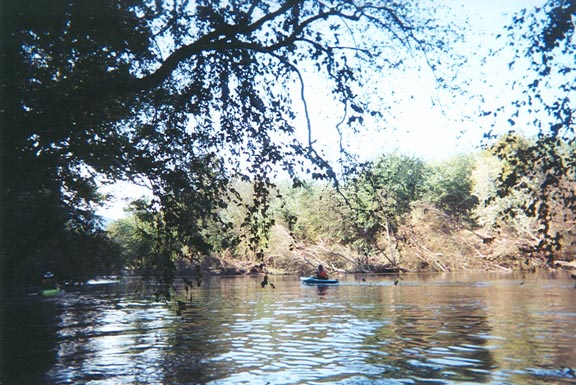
column 218, row 323
column 28, row 332
column 190, row 350
column 434, row 337
column 530, row 317
column 190, row 344
column 234, row 329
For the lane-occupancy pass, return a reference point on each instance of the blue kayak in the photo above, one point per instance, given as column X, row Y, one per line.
column 316, row 281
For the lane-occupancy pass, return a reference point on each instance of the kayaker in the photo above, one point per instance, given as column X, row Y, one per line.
column 48, row 282
column 321, row 273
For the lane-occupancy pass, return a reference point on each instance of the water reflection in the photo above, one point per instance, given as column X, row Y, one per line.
column 441, row 329
column 103, row 338
column 28, row 338
column 441, row 339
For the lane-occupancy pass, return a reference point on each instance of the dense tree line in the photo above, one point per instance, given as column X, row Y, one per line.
column 369, row 214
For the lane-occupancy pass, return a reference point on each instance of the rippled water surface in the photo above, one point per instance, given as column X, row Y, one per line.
column 428, row 329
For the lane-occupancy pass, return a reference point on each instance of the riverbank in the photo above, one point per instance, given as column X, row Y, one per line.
column 417, row 252
column 427, row 241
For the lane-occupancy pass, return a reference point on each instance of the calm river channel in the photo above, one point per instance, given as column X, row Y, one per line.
column 428, row 329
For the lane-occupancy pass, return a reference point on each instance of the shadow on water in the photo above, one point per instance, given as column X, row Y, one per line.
column 29, row 339
column 447, row 329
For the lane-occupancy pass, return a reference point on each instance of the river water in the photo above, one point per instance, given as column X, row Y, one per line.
column 426, row 329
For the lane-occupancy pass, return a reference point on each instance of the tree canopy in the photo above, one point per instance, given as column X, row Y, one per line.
column 187, row 98
column 544, row 44
column 178, row 96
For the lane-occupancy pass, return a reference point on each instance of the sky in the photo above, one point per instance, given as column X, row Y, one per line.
column 427, row 123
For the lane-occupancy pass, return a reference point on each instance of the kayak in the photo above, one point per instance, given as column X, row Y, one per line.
column 50, row 292
column 316, row 281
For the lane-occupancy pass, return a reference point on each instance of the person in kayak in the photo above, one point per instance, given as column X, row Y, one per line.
column 48, row 282
column 321, row 273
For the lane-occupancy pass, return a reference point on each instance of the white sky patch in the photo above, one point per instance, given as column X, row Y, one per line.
column 427, row 122
column 122, row 193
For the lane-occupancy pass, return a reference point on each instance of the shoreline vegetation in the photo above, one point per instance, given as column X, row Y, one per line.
column 433, row 248
column 397, row 215
column 430, row 242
